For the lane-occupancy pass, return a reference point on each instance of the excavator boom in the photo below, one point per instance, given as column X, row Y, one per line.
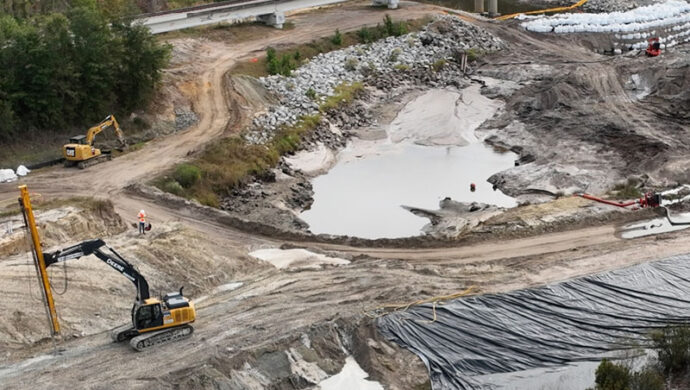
column 107, row 122
column 154, row 321
column 113, row 259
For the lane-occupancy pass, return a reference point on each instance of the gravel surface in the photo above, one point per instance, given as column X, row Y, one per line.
column 385, row 63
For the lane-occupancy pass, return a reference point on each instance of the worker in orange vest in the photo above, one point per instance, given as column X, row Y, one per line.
column 142, row 221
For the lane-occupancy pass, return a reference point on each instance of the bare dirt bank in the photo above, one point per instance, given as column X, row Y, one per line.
column 288, row 328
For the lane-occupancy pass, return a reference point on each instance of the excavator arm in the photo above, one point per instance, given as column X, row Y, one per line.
column 108, row 256
column 108, row 121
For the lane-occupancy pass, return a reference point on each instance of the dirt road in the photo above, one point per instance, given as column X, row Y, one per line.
column 244, row 335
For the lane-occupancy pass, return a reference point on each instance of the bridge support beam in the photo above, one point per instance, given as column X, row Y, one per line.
column 275, row 19
column 479, row 6
column 493, row 8
column 391, row 4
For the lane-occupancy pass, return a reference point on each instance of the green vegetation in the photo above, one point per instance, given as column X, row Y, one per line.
column 438, row 64
column 311, row 94
column 612, row 376
column 627, row 190
column 388, row 29
column 283, row 64
column 231, row 161
column 344, row 94
column 187, row 175
column 671, row 365
column 72, row 69
column 673, row 345
column 174, row 4
column 324, row 45
column 337, row 38
column 473, row 54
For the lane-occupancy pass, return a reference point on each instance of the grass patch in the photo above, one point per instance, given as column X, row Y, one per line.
column 231, row 161
column 627, row 190
column 258, row 67
column 438, row 65
column 344, row 94
column 473, row 54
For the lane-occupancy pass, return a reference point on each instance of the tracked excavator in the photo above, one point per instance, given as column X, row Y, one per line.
column 154, row 321
column 80, row 150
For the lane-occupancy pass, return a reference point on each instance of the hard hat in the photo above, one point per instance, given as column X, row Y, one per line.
column 142, row 211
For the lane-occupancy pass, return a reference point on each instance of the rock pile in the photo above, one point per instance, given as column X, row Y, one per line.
column 413, row 58
column 184, row 118
column 615, row 5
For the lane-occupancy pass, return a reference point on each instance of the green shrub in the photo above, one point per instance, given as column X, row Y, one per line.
column 673, row 347
column 71, row 69
column 366, row 35
column 438, row 65
column 187, row 175
column 337, row 38
column 627, row 190
column 393, row 29
column 472, row 54
column 402, row 67
column 647, row 379
column 283, row 65
column 611, row 376
column 173, row 187
column 311, row 94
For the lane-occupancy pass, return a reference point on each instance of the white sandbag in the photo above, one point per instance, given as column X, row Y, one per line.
column 7, row 175
column 22, row 170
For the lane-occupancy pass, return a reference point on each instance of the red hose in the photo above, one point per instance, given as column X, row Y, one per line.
column 609, row 202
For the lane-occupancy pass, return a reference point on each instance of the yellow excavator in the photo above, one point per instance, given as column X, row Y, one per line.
column 155, row 321
column 80, row 150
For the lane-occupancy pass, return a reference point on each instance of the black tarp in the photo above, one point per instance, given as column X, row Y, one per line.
column 576, row 320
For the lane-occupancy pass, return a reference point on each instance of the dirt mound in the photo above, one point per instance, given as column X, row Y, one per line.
column 304, row 359
column 74, row 220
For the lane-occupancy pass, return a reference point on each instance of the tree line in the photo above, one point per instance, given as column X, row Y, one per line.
column 74, row 67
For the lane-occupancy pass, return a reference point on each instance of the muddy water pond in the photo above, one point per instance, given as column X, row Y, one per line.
column 363, row 193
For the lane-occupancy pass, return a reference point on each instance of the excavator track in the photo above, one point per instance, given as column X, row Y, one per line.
column 147, row 340
column 93, row 161
column 123, row 333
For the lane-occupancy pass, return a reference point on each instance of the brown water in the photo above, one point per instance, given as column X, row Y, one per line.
column 363, row 196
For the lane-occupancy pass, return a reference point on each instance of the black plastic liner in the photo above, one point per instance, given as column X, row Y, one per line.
column 577, row 320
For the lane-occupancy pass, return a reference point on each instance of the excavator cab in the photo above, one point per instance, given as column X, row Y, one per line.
column 78, row 140
column 148, row 316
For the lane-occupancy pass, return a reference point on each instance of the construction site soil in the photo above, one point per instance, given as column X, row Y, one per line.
column 577, row 119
